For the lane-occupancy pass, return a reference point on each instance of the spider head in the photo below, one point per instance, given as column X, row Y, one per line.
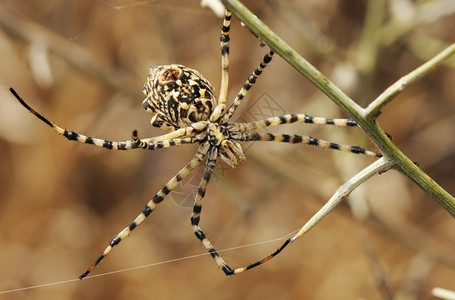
column 177, row 96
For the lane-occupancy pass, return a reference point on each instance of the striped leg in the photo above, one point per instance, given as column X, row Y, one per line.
column 224, row 43
column 197, row 208
column 288, row 119
column 74, row 136
column 153, row 143
column 301, row 139
column 195, row 217
column 260, row 262
column 185, row 131
column 163, row 144
column 150, row 206
column 124, row 145
column 247, row 86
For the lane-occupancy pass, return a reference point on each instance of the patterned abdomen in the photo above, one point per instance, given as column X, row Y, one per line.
column 177, row 96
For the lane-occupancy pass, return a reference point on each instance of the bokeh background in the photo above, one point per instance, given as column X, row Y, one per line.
column 83, row 63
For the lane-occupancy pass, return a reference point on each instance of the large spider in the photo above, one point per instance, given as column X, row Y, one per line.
column 182, row 101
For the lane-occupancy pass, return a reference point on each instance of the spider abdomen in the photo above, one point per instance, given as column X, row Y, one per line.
column 177, row 96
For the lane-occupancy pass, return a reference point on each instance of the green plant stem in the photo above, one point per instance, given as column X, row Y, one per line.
column 369, row 125
column 407, row 167
column 391, row 92
column 292, row 57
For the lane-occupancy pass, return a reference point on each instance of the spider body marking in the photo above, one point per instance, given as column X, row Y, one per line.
column 177, row 96
column 182, row 102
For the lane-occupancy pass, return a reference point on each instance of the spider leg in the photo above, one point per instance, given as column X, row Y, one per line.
column 150, row 206
column 197, row 208
column 164, row 143
column 291, row 118
column 302, row 139
column 262, row 261
column 224, row 43
column 74, row 136
column 247, row 86
column 181, row 132
column 287, row 139
column 195, row 217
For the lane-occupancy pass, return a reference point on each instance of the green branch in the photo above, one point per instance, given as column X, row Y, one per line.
column 364, row 117
column 263, row 32
column 391, row 92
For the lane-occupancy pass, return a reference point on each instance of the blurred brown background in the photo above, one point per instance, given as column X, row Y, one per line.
column 82, row 64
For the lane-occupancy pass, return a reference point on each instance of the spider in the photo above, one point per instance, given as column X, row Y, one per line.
column 183, row 102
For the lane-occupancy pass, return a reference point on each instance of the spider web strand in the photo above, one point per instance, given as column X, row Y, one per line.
column 146, row 265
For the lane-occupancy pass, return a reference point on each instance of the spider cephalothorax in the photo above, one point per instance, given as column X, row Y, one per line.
column 182, row 100
column 177, row 96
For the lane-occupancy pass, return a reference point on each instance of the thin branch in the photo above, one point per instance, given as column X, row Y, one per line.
column 391, row 92
column 379, row 166
column 443, row 293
